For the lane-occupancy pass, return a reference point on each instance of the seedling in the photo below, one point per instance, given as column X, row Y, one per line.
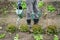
column 56, row 37
column 40, row 4
column 38, row 37
column 2, row 36
column 51, row 8
column 23, row 4
column 16, row 37
column 24, row 28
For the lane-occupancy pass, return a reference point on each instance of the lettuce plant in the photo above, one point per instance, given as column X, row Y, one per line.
column 37, row 29
column 51, row 8
column 11, row 28
column 40, row 4
column 2, row 36
column 56, row 37
column 16, row 37
column 38, row 37
column 24, row 28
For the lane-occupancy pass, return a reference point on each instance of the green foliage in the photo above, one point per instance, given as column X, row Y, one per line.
column 14, row 4
column 51, row 29
column 23, row 4
column 56, row 37
column 37, row 29
column 51, row 8
column 2, row 36
column 40, row 4
column 2, row 22
column 4, row 10
column 16, row 37
column 11, row 28
column 38, row 37
column 24, row 28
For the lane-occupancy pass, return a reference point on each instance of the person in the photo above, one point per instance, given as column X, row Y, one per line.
column 32, row 12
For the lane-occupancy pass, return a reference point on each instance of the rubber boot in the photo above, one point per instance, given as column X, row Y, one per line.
column 29, row 22
column 36, row 21
column 29, row 25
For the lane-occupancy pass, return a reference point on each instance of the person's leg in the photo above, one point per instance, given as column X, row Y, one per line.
column 29, row 11
column 29, row 23
column 35, row 8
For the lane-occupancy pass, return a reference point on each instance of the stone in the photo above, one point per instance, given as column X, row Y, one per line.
column 0, row 28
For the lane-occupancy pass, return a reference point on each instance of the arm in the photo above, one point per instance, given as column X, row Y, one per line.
column 19, row 4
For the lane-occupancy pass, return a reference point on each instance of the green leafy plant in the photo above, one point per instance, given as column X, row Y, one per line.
column 2, row 22
column 11, row 28
column 14, row 4
column 51, row 8
column 37, row 29
column 4, row 10
column 51, row 29
column 2, row 36
column 24, row 28
column 38, row 37
column 23, row 4
column 40, row 4
column 16, row 37
column 56, row 37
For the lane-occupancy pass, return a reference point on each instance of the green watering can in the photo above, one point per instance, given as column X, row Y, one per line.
column 19, row 12
column 39, row 14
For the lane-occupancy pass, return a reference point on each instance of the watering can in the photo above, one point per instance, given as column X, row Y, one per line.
column 19, row 12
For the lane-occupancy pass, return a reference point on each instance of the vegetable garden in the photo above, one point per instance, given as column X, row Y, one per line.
column 47, row 29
